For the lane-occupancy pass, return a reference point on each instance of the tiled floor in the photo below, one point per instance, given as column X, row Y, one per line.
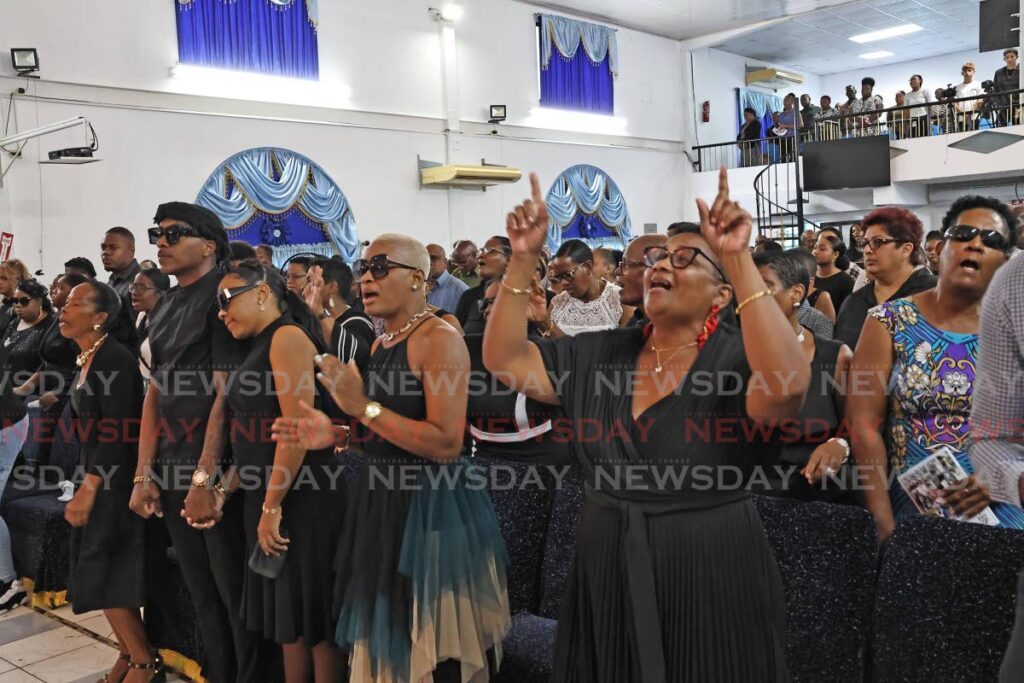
column 55, row 647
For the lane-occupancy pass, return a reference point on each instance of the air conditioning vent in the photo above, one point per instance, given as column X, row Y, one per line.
column 776, row 79
column 486, row 175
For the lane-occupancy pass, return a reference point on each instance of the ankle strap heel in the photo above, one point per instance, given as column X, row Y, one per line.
column 156, row 666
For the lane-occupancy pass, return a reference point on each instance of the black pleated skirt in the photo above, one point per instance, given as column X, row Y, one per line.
column 720, row 600
column 297, row 604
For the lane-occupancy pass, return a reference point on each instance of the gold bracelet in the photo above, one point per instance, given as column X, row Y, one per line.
column 219, row 488
column 517, row 292
column 752, row 297
column 271, row 511
column 142, row 479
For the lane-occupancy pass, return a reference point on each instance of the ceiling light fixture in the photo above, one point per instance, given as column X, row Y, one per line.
column 881, row 54
column 25, row 61
column 890, row 32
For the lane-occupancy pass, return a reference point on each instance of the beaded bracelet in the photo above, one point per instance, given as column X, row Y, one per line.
column 271, row 511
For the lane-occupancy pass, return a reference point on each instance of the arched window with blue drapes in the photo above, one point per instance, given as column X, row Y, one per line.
column 571, row 78
column 275, row 37
column 584, row 203
column 275, row 196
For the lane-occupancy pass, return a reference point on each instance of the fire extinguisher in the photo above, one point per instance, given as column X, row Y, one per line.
column 706, row 111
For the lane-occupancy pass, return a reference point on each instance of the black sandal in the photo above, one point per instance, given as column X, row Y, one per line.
column 156, row 666
column 106, row 677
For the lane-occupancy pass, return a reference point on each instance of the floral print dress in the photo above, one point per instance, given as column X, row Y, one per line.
column 930, row 393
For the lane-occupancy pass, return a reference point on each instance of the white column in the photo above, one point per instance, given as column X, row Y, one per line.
column 450, row 77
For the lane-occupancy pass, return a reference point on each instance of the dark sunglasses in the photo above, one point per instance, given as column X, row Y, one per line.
column 225, row 295
column 378, row 265
column 682, row 257
column 992, row 239
column 172, row 233
column 22, row 301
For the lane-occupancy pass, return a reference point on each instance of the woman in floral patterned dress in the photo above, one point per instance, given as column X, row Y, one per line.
column 917, row 356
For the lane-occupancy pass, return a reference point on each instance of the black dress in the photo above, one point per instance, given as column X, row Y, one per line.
column 838, row 286
column 23, row 348
column 673, row 580
column 108, row 553
column 818, row 422
column 296, row 605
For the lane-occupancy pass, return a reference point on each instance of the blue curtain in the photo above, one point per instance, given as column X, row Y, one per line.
column 276, row 37
column 586, row 204
column 274, row 195
column 571, row 78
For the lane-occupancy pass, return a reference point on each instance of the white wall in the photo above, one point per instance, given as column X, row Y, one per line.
column 716, row 76
column 937, row 72
column 378, row 104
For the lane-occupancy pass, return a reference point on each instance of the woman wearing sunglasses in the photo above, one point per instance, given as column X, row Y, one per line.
column 673, row 577
column 892, row 262
column 12, row 272
column 587, row 303
column 928, row 344
column 421, row 564
column 292, row 498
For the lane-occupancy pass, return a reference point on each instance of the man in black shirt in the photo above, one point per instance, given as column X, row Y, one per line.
column 493, row 261
column 117, row 252
column 1007, row 79
column 183, row 438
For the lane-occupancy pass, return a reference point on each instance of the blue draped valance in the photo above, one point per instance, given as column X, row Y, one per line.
column 276, row 37
column 566, row 36
column 586, row 204
column 276, row 196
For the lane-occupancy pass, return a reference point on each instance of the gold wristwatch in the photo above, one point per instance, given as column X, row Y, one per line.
column 200, row 479
column 371, row 412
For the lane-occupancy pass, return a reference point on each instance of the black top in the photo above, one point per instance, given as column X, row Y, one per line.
column 838, row 286
column 506, row 424
column 12, row 407
column 468, row 310
column 23, row 348
column 253, row 402
column 352, row 338
column 121, row 285
column 850, row 320
column 750, row 131
column 694, row 432
column 638, row 319
column 808, row 114
column 107, row 409
column 1005, row 81
column 58, row 355
column 819, row 417
column 189, row 343
column 390, row 381
column 6, row 313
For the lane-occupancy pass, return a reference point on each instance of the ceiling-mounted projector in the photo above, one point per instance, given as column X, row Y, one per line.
column 71, row 153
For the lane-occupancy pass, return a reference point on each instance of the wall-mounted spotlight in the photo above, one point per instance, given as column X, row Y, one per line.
column 497, row 113
column 25, row 61
column 448, row 13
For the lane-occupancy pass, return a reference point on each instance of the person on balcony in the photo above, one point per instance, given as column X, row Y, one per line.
column 847, row 108
column 1006, row 80
column 787, row 126
column 919, row 114
column 869, row 106
column 899, row 120
column 892, row 237
column 750, row 133
column 965, row 118
column 809, row 113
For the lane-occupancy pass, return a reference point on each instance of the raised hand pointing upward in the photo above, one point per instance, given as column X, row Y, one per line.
column 527, row 224
column 725, row 226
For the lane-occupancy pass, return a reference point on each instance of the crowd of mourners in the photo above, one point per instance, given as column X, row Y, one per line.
column 240, row 385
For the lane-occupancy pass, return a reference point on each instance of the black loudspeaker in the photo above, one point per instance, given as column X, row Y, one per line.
column 996, row 24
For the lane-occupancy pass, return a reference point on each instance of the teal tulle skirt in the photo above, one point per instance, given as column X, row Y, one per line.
column 420, row 573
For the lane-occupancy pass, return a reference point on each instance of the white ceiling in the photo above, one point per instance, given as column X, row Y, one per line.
column 685, row 19
column 818, row 43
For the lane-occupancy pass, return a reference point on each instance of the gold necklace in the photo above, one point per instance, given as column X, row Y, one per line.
column 657, row 352
column 388, row 336
column 84, row 356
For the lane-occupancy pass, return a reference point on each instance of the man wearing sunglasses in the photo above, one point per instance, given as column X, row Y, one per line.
column 493, row 261
column 183, row 437
column 629, row 276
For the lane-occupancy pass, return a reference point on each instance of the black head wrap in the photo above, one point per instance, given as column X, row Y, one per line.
column 205, row 222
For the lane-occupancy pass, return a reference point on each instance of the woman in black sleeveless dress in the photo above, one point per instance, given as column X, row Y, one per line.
column 107, row 541
column 813, row 462
column 673, row 578
column 420, row 587
column 293, row 500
